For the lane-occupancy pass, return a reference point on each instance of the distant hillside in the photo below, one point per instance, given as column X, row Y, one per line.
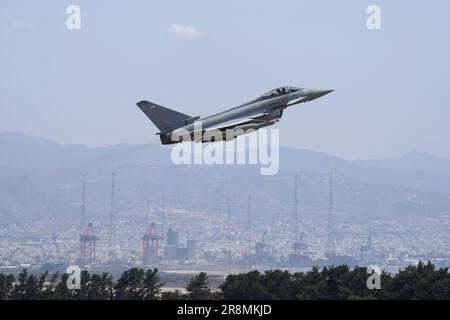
column 412, row 161
column 39, row 177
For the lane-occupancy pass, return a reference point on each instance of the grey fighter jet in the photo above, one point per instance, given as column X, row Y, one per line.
column 261, row 112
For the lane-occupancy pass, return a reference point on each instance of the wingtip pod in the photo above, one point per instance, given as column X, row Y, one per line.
column 142, row 103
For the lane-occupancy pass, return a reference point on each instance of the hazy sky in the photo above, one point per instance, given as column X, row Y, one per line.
column 199, row 57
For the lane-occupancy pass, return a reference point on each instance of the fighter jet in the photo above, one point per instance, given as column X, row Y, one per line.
column 263, row 111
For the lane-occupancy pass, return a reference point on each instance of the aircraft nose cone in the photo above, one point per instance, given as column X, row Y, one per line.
column 317, row 93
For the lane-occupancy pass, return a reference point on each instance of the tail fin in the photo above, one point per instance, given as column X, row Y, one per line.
column 164, row 118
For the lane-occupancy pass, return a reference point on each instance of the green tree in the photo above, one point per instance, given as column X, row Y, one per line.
column 28, row 286
column 420, row 282
column 50, row 287
column 198, row 288
column 83, row 292
column 277, row 284
column 6, row 286
column 100, row 287
column 152, row 285
column 130, row 285
column 307, row 285
column 61, row 292
column 335, row 280
column 423, row 281
column 243, row 286
column 172, row 295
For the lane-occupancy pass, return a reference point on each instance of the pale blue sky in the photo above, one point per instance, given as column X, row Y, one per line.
column 392, row 85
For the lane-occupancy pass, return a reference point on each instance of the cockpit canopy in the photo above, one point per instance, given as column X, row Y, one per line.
column 279, row 91
column 273, row 93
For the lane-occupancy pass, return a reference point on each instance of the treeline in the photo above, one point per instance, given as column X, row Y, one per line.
column 423, row 281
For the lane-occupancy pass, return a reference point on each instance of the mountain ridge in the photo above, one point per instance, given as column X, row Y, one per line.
column 39, row 178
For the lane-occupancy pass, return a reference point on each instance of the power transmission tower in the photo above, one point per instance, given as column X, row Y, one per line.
column 331, row 245
column 147, row 213
column 229, row 228
column 83, row 205
column 163, row 214
column 55, row 243
column 296, row 208
column 111, row 219
column 249, row 221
